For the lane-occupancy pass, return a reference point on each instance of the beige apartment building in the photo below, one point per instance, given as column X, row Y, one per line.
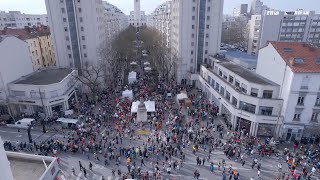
column 39, row 44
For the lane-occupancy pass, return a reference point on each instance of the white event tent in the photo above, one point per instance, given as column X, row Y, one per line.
column 150, row 106
column 127, row 94
column 132, row 77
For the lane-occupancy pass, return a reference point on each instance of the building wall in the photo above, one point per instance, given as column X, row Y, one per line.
column 14, row 64
column 196, row 33
column 78, row 30
column 273, row 67
column 41, row 52
column 254, row 34
column 18, row 20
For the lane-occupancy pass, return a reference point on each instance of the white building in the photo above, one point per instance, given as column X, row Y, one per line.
column 254, row 34
column 47, row 91
column 296, row 68
column 116, row 20
column 248, row 100
column 298, row 26
column 257, row 7
column 142, row 21
column 195, row 33
column 14, row 64
column 18, row 20
column 241, row 10
column 78, row 30
column 160, row 20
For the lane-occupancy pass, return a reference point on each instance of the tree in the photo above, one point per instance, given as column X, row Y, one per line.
column 236, row 34
column 159, row 54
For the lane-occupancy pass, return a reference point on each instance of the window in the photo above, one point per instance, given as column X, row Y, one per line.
column 237, row 83
column 208, row 26
column 207, row 35
column 192, row 43
column 300, row 100
column 314, row 116
column 68, row 47
column 248, row 107
column 296, row 117
column 85, row 55
column 192, row 35
column 81, row 28
column 70, row 56
column 83, row 38
column 317, row 101
column 217, row 88
column 81, row 19
column 220, row 73
column 61, row 1
column 254, row 92
column 193, row 9
column 191, row 60
column 230, row 79
column 79, row 9
column 84, row 47
column 65, row 29
column 193, row 18
column 234, row 101
column 227, row 95
column 243, row 88
column 18, row 93
column 67, row 38
column 192, row 26
column 191, row 52
column 191, row 68
column 208, row 8
column 267, row 111
column 64, row 19
column 267, row 94
column 208, row 17
column 305, row 82
column 206, row 52
column 63, row 10
column 207, row 43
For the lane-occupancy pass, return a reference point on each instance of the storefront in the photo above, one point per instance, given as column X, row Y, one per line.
column 266, row 130
column 292, row 132
column 244, row 125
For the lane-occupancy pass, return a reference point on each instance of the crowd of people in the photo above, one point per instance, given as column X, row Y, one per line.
column 111, row 134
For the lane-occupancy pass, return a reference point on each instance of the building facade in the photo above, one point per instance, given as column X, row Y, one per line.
column 160, row 20
column 297, row 26
column 195, row 33
column 242, row 10
column 248, row 101
column 18, row 20
column 47, row 91
column 137, row 23
column 257, row 7
column 116, row 20
column 14, row 64
column 295, row 66
column 39, row 44
column 78, row 31
column 254, row 34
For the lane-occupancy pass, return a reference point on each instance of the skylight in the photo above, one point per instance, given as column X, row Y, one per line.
column 287, row 49
column 318, row 60
column 298, row 60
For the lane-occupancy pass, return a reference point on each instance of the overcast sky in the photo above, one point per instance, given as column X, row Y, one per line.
column 38, row 6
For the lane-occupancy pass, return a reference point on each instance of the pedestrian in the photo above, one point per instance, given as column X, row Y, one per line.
column 258, row 173
column 84, row 172
column 73, row 171
column 243, row 162
column 80, row 165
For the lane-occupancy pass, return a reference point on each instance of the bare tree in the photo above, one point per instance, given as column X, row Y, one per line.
column 236, row 34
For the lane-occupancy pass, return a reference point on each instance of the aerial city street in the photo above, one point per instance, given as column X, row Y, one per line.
column 187, row 89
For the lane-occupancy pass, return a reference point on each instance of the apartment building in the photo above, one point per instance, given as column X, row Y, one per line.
column 297, row 26
column 160, row 20
column 257, row 7
column 195, row 33
column 39, row 44
column 18, row 20
column 241, row 10
column 78, row 29
column 137, row 23
column 249, row 101
column 295, row 66
column 116, row 20
column 15, row 62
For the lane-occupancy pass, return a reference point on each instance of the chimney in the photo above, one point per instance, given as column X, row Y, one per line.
column 291, row 61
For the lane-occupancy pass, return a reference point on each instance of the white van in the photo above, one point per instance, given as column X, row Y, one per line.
column 23, row 123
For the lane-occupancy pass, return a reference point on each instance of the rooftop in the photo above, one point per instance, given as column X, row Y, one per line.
column 246, row 74
column 22, row 168
column 27, row 33
column 44, row 76
column 299, row 56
